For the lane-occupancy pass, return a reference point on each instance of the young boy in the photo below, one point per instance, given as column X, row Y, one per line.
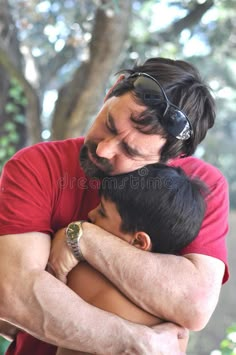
column 156, row 208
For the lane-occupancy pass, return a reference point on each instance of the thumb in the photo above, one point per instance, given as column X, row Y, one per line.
column 183, row 333
column 171, row 328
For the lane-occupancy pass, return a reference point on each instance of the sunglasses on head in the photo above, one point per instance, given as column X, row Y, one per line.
column 174, row 120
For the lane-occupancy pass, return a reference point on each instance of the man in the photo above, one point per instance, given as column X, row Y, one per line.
column 142, row 121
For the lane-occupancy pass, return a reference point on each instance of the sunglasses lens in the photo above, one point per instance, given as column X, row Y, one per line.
column 177, row 124
column 149, row 88
column 144, row 83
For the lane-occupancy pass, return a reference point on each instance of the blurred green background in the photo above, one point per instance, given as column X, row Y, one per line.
column 57, row 58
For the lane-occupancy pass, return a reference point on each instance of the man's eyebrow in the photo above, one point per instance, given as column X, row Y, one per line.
column 129, row 150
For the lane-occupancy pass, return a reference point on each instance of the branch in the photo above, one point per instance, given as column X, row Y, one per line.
column 190, row 20
column 50, row 69
column 193, row 16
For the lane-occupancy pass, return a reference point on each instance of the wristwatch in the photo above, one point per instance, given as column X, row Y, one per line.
column 74, row 232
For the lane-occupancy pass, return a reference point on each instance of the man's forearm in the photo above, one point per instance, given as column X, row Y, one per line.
column 55, row 314
column 176, row 288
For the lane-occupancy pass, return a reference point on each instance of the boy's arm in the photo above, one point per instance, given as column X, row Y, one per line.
column 95, row 289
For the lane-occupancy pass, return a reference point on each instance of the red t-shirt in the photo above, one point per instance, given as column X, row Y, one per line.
column 43, row 188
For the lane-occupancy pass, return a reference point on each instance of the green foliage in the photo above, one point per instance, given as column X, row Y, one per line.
column 14, row 110
column 228, row 345
column 3, row 345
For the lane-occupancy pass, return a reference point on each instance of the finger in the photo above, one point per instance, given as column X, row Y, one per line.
column 59, row 275
column 50, row 269
column 62, row 278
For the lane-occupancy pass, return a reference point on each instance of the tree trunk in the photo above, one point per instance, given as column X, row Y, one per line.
column 79, row 101
column 10, row 140
column 11, row 64
column 7, row 35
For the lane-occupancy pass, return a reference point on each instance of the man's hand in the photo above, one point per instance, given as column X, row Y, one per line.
column 172, row 336
column 164, row 340
column 61, row 259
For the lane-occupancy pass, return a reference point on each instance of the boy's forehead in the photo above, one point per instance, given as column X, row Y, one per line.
column 109, row 206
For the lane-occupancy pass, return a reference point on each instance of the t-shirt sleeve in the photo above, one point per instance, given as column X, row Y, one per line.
column 212, row 236
column 25, row 202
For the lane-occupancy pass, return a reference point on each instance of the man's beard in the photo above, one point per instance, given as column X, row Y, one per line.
column 90, row 169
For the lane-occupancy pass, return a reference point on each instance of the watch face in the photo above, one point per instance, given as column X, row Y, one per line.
column 73, row 230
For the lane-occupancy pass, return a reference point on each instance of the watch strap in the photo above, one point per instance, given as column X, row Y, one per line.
column 74, row 233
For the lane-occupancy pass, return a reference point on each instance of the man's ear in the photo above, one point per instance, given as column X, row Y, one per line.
column 141, row 240
column 121, row 77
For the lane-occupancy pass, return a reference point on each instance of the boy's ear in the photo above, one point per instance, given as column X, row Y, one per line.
column 121, row 77
column 141, row 240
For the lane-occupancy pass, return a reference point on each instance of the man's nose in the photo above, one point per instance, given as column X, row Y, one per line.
column 108, row 148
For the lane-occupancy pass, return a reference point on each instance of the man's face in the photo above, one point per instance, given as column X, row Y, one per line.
column 114, row 145
column 106, row 216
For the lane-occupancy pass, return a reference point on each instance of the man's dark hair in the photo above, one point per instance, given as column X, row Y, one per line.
column 161, row 201
column 185, row 89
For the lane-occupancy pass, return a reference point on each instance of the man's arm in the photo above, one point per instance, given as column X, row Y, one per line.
column 187, row 286
column 38, row 303
column 97, row 290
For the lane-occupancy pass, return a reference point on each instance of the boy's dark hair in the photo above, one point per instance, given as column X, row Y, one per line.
column 161, row 201
column 185, row 89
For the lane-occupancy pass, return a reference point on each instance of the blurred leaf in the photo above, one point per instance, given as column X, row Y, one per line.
column 11, row 108
column 4, row 141
column 3, row 153
column 13, row 137
column 10, row 151
column 19, row 118
column 9, row 126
